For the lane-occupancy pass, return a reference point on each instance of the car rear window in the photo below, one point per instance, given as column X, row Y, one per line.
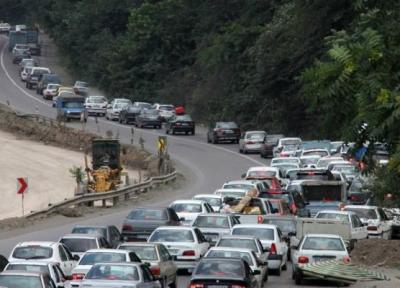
column 112, row 273
column 90, row 230
column 148, row 214
column 20, row 281
column 79, row 245
column 221, row 268
column 183, row 118
column 29, row 268
column 334, row 216
column 186, row 208
column 226, row 125
column 285, row 225
column 238, row 186
column 231, row 254
column 261, row 174
column 143, row 252
column 364, row 213
column 172, row 235
column 323, row 243
column 260, row 233
column 211, row 222
column 105, row 257
column 32, row 252
column 291, row 142
column 238, row 243
column 210, row 200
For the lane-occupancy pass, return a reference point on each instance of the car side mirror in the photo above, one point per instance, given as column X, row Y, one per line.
column 291, row 234
column 76, row 257
column 275, row 210
column 256, row 272
column 147, row 264
column 182, row 219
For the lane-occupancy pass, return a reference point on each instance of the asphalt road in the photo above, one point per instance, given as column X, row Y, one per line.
column 205, row 166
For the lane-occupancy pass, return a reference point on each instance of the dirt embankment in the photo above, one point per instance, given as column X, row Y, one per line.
column 57, row 134
column 377, row 252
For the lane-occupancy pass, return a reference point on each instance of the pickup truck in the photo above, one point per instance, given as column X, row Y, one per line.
column 255, row 211
column 323, row 195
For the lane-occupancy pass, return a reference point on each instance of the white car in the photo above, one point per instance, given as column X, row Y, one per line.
column 95, row 256
column 5, row 27
column 317, row 247
column 358, row 229
column 112, row 112
column 251, row 141
column 378, row 224
column 50, row 268
column 51, row 91
column 267, row 171
column 166, row 111
column 288, row 141
column 231, row 192
column 120, row 100
column 187, row 210
column 334, row 164
column 96, row 105
column 271, row 239
column 309, row 161
column 216, row 201
column 323, row 162
column 247, row 255
column 215, row 225
column 186, row 244
column 44, row 251
column 25, row 73
column 19, row 49
column 248, row 184
column 78, row 244
column 161, row 262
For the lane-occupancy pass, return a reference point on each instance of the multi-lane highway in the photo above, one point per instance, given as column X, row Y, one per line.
column 205, row 166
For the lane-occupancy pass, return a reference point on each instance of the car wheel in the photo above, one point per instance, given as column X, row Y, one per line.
column 284, row 267
column 240, row 151
column 214, row 140
column 173, row 284
column 298, row 279
column 164, row 282
column 265, row 279
column 245, row 151
column 186, row 132
column 120, row 120
column 166, row 131
column 173, row 131
column 208, row 139
column 193, row 132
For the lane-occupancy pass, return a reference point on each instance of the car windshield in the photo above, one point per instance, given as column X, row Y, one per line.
column 186, row 208
column 92, row 258
column 346, row 169
column 96, row 100
column 79, row 245
column 285, row 225
column 238, row 243
column 17, row 281
column 286, row 161
column 234, row 194
column 210, row 200
column 120, row 105
column 211, row 222
column 172, row 235
column 238, row 186
column 143, row 252
column 231, row 254
column 309, row 160
column 226, row 125
column 81, row 84
column 183, row 118
column 220, row 268
column 113, row 273
column 289, row 148
column 261, row 174
column 363, row 212
column 52, row 86
column 73, row 105
column 150, row 112
column 148, row 214
column 335, row 216
column 166, row 107
column 271, row 139
column 145, row 106
column 325, row 162
column 41, row 71
column 29, row 267
column 323, row 243
column 260, row 233
column 90, row 230
column 32, row 252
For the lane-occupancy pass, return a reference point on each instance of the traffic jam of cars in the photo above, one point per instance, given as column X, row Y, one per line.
column 311, row 204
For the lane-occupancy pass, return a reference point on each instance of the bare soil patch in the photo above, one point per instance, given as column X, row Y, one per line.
column 377, row 252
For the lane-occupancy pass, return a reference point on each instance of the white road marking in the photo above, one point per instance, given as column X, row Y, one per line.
column 120, row 125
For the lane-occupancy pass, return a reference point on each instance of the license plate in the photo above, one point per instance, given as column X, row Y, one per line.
column 228, row 131
column 173, row 251
column 185, row 124
column 217, row 286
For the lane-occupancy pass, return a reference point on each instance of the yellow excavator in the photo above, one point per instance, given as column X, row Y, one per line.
column 105, row 174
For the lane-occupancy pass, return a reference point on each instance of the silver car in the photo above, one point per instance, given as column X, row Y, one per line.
column 117, row 275
column 161, row 262
column 251, row 141
column 23, row 279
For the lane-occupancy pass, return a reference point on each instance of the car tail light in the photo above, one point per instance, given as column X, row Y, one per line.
column 293, row 208
column 303, row 260
column 341, row 206
column 250, row 142
column 156, row 271
column 238, row 286
column 196, row 286
column 346, row 259
column 354, row 198
column 272, row 250
column 372, row 228
column 189, row 253
column 126, row 227
column 77, row 276
column 260, row 219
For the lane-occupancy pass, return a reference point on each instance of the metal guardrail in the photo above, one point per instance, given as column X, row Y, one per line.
column 116, row 195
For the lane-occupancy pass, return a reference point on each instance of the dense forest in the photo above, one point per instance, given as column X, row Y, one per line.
column 315, row 68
